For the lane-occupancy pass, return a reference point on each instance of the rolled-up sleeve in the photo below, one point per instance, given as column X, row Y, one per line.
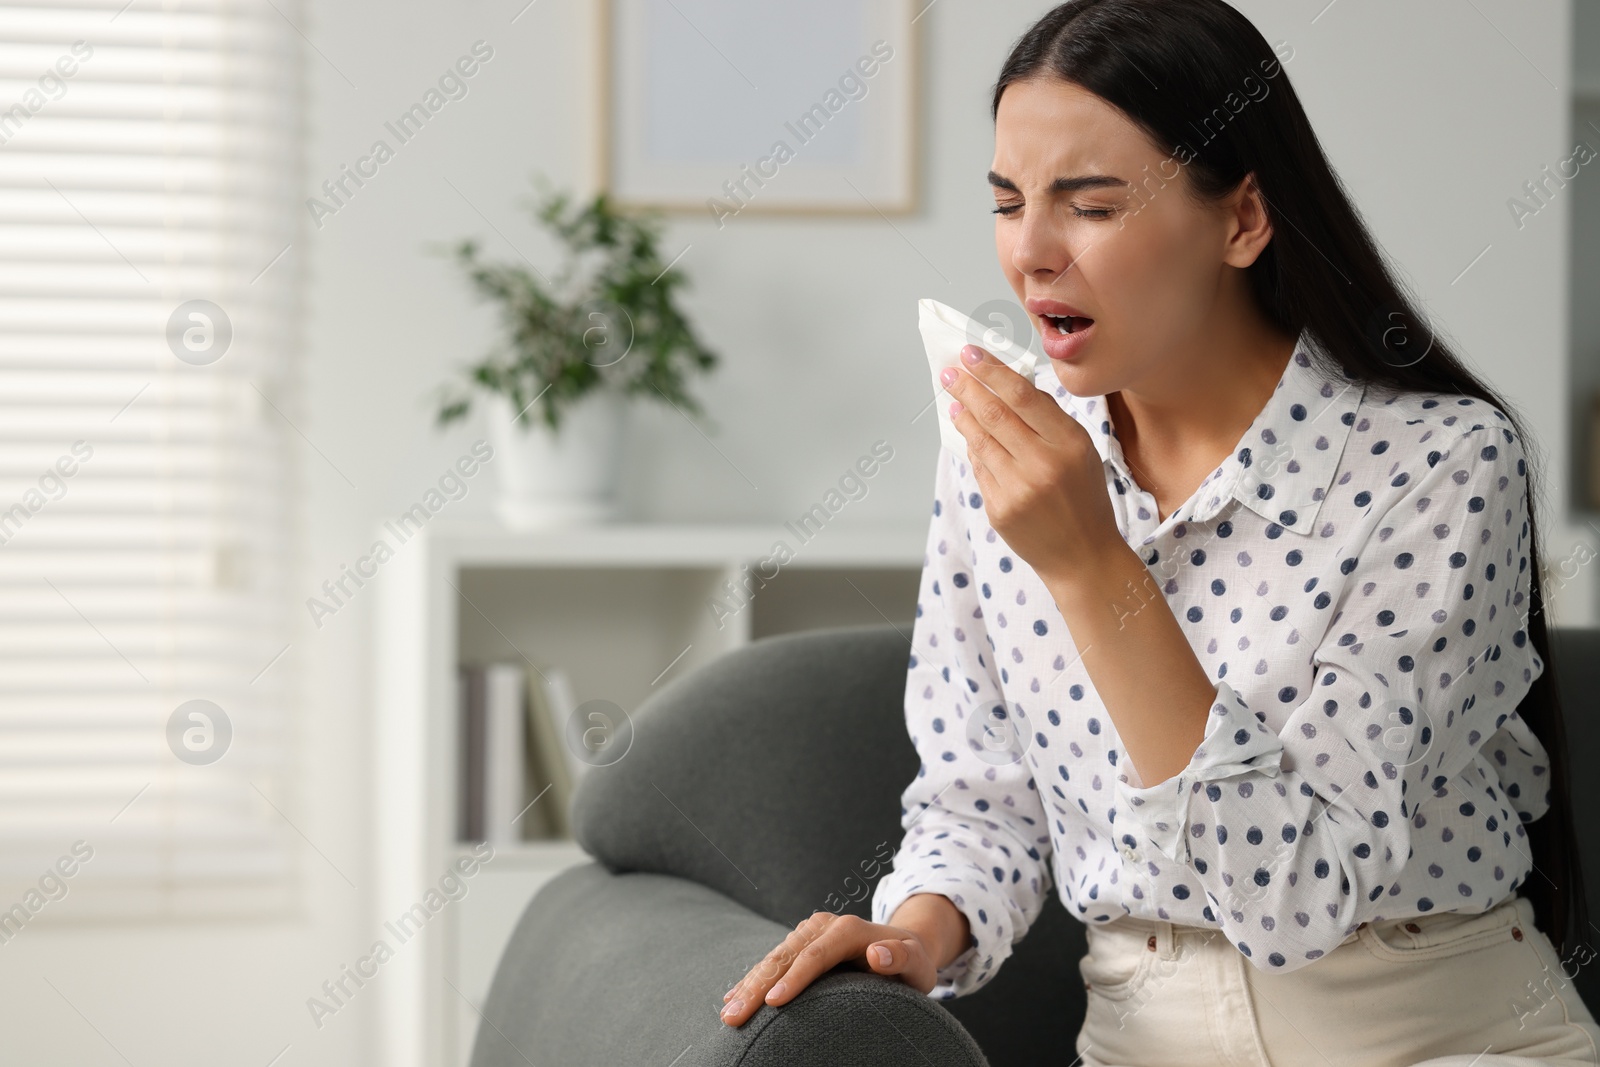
column 975, row 827
column 1236, row 742
column 1301, row 835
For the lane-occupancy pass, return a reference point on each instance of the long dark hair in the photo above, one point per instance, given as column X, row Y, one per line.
column 1187, row 72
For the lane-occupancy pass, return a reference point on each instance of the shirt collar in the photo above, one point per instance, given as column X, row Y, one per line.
column 1284, row 464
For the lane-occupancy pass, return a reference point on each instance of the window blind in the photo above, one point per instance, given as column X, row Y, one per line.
column 149, row 157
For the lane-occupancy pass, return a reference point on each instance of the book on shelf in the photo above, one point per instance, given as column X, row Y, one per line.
column 498, row 782
column 561, row 700
column 1594, row 450
column 508, row 776
column 469, row 751
column 517, row 769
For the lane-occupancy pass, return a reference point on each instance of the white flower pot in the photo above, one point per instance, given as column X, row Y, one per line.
column 562, row 478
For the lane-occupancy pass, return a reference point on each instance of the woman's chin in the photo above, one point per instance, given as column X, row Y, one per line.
column 1075, row 378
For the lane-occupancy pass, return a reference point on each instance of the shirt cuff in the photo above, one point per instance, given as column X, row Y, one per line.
column 1235, row 742
column 989, row 942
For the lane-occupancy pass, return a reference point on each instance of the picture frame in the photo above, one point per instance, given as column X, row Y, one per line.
column 723, row 109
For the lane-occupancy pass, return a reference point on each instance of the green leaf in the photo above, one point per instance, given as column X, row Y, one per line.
column 548, row 347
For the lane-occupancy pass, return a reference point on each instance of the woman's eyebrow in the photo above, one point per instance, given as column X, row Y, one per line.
column 1062, row 185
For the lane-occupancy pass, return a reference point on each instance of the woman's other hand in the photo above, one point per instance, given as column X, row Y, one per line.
column 826, row 940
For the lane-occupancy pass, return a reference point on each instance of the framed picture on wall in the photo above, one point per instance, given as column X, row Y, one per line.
column 725, row 107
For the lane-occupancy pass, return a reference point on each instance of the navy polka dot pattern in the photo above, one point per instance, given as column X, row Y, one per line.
column 1354, row 577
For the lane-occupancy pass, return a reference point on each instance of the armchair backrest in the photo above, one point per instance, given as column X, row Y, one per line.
column 772, row 775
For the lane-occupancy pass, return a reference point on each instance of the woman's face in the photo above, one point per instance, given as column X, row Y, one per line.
column 1124, row 245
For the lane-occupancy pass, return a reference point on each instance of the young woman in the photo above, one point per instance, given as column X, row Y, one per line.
column 1233, row 611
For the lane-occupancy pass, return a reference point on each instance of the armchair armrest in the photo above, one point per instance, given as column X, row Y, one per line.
column 629, row 969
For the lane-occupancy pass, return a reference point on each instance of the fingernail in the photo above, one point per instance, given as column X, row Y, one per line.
column 955, row 407
column 948, row 375
column 971, row 355
column 777, row 991
column 885, row 957
column 728, row 994
column 733, row 1009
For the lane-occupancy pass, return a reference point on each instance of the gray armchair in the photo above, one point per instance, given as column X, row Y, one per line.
column 759, row 789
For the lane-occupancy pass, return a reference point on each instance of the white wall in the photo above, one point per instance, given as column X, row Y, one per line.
column 1433, row 117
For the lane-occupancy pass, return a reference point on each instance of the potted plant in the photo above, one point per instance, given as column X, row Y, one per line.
column 571, row 351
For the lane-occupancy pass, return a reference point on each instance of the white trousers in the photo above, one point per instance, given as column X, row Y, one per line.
column 1442, row 990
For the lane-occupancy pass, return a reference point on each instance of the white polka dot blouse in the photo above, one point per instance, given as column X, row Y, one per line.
column 1354, row 578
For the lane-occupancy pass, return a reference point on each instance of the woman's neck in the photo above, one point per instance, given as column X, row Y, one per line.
column 1177, row 433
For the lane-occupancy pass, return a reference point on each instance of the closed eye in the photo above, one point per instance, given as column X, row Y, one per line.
column 1008, row 210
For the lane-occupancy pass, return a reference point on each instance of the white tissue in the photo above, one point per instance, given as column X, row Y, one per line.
column 945, row 331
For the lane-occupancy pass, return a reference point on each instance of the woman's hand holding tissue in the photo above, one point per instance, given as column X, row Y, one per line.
column 1042, row 480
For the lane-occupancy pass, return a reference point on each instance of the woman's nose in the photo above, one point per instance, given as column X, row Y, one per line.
column 1041, row 250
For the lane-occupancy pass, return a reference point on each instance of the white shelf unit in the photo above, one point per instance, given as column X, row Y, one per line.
column 623, row 608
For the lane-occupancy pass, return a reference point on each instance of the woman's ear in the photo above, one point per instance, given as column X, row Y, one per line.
column 1251, row 223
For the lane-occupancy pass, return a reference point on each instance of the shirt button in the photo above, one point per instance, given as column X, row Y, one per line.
column 1130, row 853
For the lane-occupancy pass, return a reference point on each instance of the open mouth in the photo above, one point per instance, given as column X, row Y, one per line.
column 1066, row 324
